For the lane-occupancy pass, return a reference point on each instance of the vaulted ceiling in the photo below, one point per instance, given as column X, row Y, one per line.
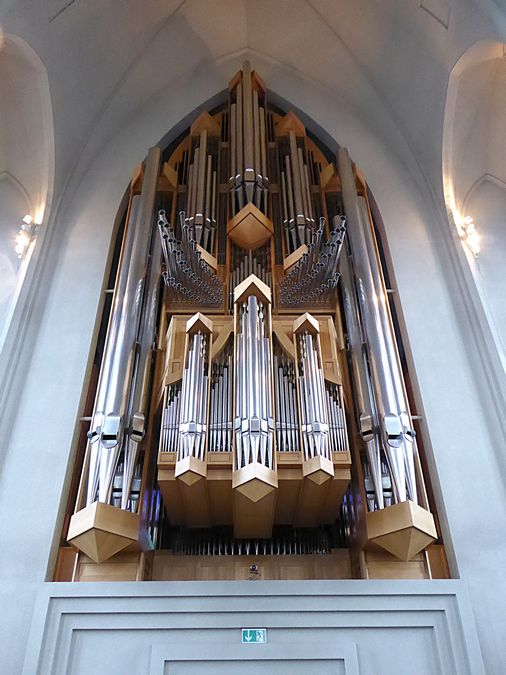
column 388, row 59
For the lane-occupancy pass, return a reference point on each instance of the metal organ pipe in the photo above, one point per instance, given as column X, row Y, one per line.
column 287, row 419
column 189, row 278
column 254, row 424
column 200, row 197
column 263, row 385
column 193, row 417
column 248, row 144
column 170, row 418
column 312, row 396
column 393, row 356
column 394, row 419
column 364, row 397
column 296, row 196
column 115, row 381
column 314, row 277
column 220, row 426
column 145, row 342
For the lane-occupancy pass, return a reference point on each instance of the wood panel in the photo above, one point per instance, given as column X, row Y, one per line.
column 121, row 567
column 438, row 562
column 170, row 567
column 382, row 565
column 65, row 564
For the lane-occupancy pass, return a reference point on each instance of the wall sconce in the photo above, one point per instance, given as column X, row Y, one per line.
column 469, row 235
column 25, row 236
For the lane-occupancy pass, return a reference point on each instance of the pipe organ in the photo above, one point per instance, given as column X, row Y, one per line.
column 250, row 378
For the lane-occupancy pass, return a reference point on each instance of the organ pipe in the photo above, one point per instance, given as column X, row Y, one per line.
column 367, row 417
column 221, row 422
column 254, row 398
column 313, row 279
column 312, row 395
column 195, row 395
column 139, row 400
column 254, row 423
column 394, row 421
column 115, row 385
column 248, row 177
column 189, row 278
column 286, row 409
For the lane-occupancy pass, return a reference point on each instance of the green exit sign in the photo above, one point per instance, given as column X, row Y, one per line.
column 254, row 636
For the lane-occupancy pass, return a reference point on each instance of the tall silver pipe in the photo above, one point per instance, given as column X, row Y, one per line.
column 254, row 426
column 145, row 342
column 315, row 430
column 106, row 370
column 393, row 355
column 299, row 215
column 115, row 379
column 193, row 419
column 364, row 396
column 249, row 169
column 373, row 306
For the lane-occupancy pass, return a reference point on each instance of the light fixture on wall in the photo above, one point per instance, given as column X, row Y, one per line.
column 469, row 235
column 25, row 236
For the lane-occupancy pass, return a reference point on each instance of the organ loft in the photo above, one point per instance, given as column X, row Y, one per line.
column 250, row 412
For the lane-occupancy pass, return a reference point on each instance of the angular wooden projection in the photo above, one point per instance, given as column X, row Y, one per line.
column 252, row 286
column 250, row 228
column 255, row 488
column 403, row 529
column 318, row 469
column 206, row 122
column 101, row 530
column 294, row 257
column 255, row 481
column 290, row 122
column 306, row 323
column 190, row 470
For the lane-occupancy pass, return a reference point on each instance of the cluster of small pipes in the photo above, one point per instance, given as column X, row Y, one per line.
column 314, row 276
column 170, row 420
column 187, row 275
column 289, row 543
column 244, row 263
column 287, row 418
column 248, row 144
column 298, row 218
column 337, row 419
column 201, row 195
column 220, row 421
column 313, row 403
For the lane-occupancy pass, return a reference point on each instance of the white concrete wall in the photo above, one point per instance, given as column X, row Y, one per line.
column 487, row 204
column 385, row 124
column 316, row 628
column 50, row 392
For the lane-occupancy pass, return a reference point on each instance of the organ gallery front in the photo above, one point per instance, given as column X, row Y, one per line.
column 249, row 412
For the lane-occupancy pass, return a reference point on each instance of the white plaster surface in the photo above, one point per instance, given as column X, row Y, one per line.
column 373, row 79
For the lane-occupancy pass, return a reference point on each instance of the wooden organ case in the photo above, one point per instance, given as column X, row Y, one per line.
column 250, row 418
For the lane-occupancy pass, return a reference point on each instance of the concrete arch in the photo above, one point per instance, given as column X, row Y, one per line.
column 26, row 164
column 474, row 134
column 26, row 130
